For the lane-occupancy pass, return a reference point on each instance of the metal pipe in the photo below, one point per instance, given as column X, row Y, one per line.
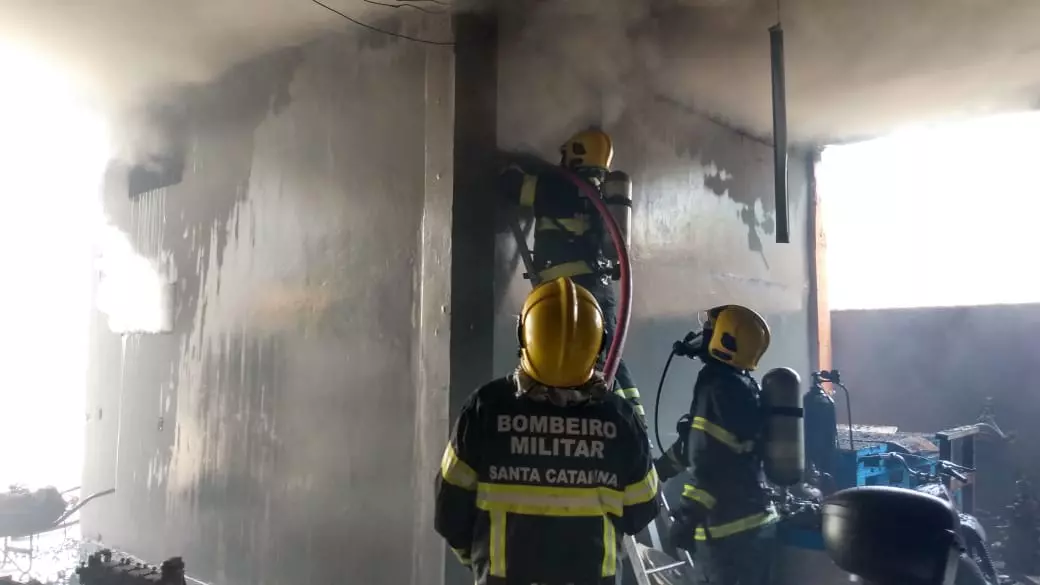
column 776, row 59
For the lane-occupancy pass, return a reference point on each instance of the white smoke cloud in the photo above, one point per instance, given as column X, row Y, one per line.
column 854, row 67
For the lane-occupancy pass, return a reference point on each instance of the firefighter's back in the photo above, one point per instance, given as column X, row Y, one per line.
column 551, row 491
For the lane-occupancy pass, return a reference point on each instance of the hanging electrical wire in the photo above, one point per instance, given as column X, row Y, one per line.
column 404, row 5
column 380, row 30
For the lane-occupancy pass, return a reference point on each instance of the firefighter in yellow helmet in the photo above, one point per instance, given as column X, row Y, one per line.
column 545, row 468
column 569, row 234
column 725, row 516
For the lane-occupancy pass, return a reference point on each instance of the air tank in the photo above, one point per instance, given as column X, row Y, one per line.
column 783, row 453
column 821, row 430
column 617, row 195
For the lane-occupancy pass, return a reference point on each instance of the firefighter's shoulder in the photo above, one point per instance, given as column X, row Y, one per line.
column 623, row 408
column 491, row 395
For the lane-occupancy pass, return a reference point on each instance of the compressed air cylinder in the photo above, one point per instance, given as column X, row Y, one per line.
column 784, row 448
column 821, row 430
column 617, row 195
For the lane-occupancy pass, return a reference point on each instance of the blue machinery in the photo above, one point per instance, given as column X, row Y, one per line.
column 803, row 558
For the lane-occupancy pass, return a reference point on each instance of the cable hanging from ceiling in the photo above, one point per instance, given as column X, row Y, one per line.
column 407, row 5
column 384, row 31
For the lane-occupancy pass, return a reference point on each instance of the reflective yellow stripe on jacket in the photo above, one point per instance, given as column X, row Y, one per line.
column 698, row 495
column 722, row 435
column 643, row 490
column 632, row 396
column 609, row 566
column 528, row 190
column 497, row 543
column 549, row 501
column 574, row 225
column 566, row 269
column 456, row 471
column 738, row 526
column 462, row 555
column 502, row 499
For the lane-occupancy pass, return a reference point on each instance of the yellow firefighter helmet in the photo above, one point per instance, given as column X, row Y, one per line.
column 739, row 336
column 589, row 149
column 560, row 332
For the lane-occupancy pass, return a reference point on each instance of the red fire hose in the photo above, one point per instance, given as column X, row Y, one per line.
column 617, row 345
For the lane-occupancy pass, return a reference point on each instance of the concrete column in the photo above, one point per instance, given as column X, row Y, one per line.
column 473, row 217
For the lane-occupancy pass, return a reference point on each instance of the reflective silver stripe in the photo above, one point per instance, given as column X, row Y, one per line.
column 547, row 501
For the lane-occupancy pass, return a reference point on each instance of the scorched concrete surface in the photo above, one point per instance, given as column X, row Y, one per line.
column 289, row 427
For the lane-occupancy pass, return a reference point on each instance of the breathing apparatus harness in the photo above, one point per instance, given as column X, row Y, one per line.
column 620, row 269
column 780, row 443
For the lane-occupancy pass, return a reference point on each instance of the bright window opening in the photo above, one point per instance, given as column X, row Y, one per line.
column 53, row 151
column 934, row 217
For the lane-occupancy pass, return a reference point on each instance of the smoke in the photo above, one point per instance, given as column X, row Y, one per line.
column 131, row 60
column 134, row 292
column 854, row 68
column 123, row 49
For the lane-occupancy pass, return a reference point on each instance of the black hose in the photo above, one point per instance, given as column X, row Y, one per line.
column 657, row 403
column 848, row 407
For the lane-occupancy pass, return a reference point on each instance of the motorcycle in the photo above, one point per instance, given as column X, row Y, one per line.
column 973, row 535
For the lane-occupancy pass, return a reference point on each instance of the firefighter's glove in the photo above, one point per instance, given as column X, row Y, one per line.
column 685, row 520
column 675, row 459
column 682, row 427
column 672, row 462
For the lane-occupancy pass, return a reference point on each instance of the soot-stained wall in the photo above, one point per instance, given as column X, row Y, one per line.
column 926, row 369
column 703, row 218
column 289, row 427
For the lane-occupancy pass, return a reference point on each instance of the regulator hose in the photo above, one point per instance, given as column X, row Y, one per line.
column 617, row 344
column 657, row 402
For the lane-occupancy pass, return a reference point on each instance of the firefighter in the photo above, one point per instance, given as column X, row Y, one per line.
column 725, row 517
column 569, row 233
column 546, row 468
